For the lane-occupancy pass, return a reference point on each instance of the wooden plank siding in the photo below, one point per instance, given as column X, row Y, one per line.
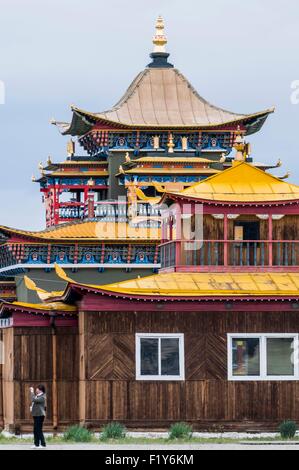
column 29, row 362
column 206, row 398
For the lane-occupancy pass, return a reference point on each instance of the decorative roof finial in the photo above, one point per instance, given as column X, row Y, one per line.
column 159, row 55
column 160, row 40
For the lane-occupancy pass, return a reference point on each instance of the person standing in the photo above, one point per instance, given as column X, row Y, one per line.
column 38, row 411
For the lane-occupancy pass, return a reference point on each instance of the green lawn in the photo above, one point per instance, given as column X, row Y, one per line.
column 146, row 441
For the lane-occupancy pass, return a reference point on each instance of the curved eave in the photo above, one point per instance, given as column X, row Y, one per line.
column 84, row 121
column 42, row 239
column 9, row 308
column 74, row 292
column 170, row 198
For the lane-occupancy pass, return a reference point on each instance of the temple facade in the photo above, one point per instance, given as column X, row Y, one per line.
column 161, row 137
column 165, row 286
column 211, row 340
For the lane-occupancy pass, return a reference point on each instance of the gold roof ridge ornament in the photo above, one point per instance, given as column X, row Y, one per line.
column 71, row 148
column 160, row 39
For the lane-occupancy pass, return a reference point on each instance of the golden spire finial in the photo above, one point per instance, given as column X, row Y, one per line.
column 160, row 40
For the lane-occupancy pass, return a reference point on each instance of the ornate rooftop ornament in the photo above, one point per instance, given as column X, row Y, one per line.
column 71, row 148
column 240, row 147
column 160, row 39
column 49, row 161
column 159, row 54
column 279, row 163
column 90, row 182
column 286, row 176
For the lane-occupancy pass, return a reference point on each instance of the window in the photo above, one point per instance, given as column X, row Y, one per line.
column 263, row 357
column 160, row 357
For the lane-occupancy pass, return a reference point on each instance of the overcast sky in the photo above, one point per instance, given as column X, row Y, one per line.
column 239, row 55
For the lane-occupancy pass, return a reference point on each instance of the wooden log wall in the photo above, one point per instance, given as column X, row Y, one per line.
column 206, row 399
column 286, row 228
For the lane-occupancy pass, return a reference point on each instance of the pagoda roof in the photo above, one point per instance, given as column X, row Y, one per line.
column 90, row 231
column 162, row 98
column 242, row 182
column 170, row 171
column 171, row 160
column 61, row 173
column 71, row 163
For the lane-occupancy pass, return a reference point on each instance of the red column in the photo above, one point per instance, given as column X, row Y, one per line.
column 270, row 238
column 91, row 205
column 178, row 216
column 225, row 237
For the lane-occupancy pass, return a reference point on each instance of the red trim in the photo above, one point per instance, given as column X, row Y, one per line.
column 92, row 302
column 31, row 320
column 214, row 207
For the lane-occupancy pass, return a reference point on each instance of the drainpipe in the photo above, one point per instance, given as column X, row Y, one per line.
column 54, row 364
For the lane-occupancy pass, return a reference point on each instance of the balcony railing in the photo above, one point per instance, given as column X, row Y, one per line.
column 230, row 253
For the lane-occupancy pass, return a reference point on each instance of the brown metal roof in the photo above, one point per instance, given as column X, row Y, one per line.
column 162, row 97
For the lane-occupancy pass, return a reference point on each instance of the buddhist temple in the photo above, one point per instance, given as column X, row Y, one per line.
column 161, row 135
column 165, row 287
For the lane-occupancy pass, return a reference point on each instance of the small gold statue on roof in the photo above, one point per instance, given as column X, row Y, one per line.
column 121, row 170
column 90, row 182
column 171, row 144
column 40, row 166
column 156, row 142
column 223, row 158
column 71, row 148
column 184, row 143
column 49, row 161
column 240, row 146
column 128, row 158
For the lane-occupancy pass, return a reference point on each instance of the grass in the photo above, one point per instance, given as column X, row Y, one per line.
column 145, row 441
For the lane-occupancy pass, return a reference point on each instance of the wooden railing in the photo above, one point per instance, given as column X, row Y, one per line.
column 247, row 253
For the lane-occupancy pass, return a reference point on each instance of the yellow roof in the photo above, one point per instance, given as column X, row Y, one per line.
column 207, row 284
column 92, row 231
column 57, row 306
column 243, row 183
column 194, row 285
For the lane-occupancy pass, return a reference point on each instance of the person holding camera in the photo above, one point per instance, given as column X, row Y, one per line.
column 38, row 411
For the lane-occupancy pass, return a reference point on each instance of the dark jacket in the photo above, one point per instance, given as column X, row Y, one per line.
column 39, row 405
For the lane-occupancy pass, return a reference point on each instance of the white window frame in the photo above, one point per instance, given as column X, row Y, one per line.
column 167, row 378
column 263, row 337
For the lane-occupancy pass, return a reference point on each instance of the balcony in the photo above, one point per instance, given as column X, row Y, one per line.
column 252, row 255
